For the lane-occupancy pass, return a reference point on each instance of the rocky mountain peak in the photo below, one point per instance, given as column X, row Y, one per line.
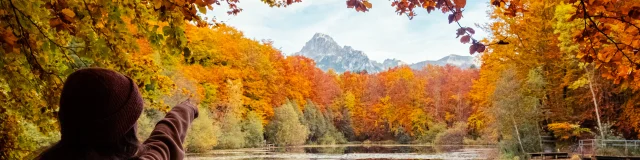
column 328, row 54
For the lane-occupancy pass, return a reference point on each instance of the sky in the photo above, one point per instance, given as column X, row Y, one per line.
column 380, row 33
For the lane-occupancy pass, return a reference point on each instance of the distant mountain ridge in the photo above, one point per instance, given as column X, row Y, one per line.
column 328, row 54
column 456, row 60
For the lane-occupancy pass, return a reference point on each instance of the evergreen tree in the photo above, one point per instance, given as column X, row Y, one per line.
column 322, row 130
column 344, row 125
column 315, row 121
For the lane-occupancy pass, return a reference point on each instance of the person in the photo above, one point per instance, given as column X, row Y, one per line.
column 98, row 113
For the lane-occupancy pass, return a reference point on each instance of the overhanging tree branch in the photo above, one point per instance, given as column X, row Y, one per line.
column 595, row 26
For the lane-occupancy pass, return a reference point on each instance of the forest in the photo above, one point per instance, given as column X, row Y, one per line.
column 562, row 68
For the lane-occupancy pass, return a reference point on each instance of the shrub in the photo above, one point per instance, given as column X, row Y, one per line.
column 203, row 133
column 326, row 139
column 147, row 122
column 232, row 135
column 565, row 130
column 333, row 136
column 609, row 151
column 31, row 138
column 452, row 136
column 430, row 135
column 402, row 137
column 477, row 141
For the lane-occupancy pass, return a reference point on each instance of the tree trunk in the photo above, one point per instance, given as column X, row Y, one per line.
column 515, row 125
column 539, row 137
column 595, row 103
column 535, row 108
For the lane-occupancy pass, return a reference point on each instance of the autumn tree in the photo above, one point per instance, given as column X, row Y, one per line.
column 327, row 88
column 231, row 126
column 286, row 129
column 515, row 120
column 171, row 52
column 253, row 130
column 44, row 41
column 204, row 133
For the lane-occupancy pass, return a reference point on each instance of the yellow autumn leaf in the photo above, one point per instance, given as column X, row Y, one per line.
column 157, row 4
column 68, row 12
column 580, row 55
column 367, row 4
column 179, row 2
column 99, row 25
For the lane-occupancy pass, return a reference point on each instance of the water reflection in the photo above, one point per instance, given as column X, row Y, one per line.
column 353, row 152
column 371, row 149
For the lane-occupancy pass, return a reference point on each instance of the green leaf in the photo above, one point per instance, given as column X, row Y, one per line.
column 45, row 46
column 68, row 71
column 155, row 29
column 167, row 30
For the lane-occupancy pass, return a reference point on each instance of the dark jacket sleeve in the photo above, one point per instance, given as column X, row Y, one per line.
column 165, row 141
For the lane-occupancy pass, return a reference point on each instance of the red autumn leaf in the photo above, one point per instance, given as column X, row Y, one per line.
column 465, row 39
column 634, row 13
column 459, row 32
column 54, row 22
column 480, row 47
column 472, row 49
column 8, row 37
column 460, row 3
column 458, row 16
column 470, row 30
column 439, row 4
column 451, row 18
column 496, row 3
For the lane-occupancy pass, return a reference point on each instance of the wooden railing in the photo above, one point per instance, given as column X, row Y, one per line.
column 268, row 146
column 605, row 147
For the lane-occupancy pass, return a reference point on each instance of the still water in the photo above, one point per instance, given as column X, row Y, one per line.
column 354, row 152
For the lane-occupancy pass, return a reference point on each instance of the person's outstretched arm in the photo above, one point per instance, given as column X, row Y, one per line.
column 165, row 142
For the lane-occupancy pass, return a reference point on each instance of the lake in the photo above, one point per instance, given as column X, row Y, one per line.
column 354, row 152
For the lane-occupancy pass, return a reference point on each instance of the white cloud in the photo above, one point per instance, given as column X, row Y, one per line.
column 380, row 33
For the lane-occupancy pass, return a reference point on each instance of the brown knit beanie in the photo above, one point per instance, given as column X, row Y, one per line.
column 97, row 107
